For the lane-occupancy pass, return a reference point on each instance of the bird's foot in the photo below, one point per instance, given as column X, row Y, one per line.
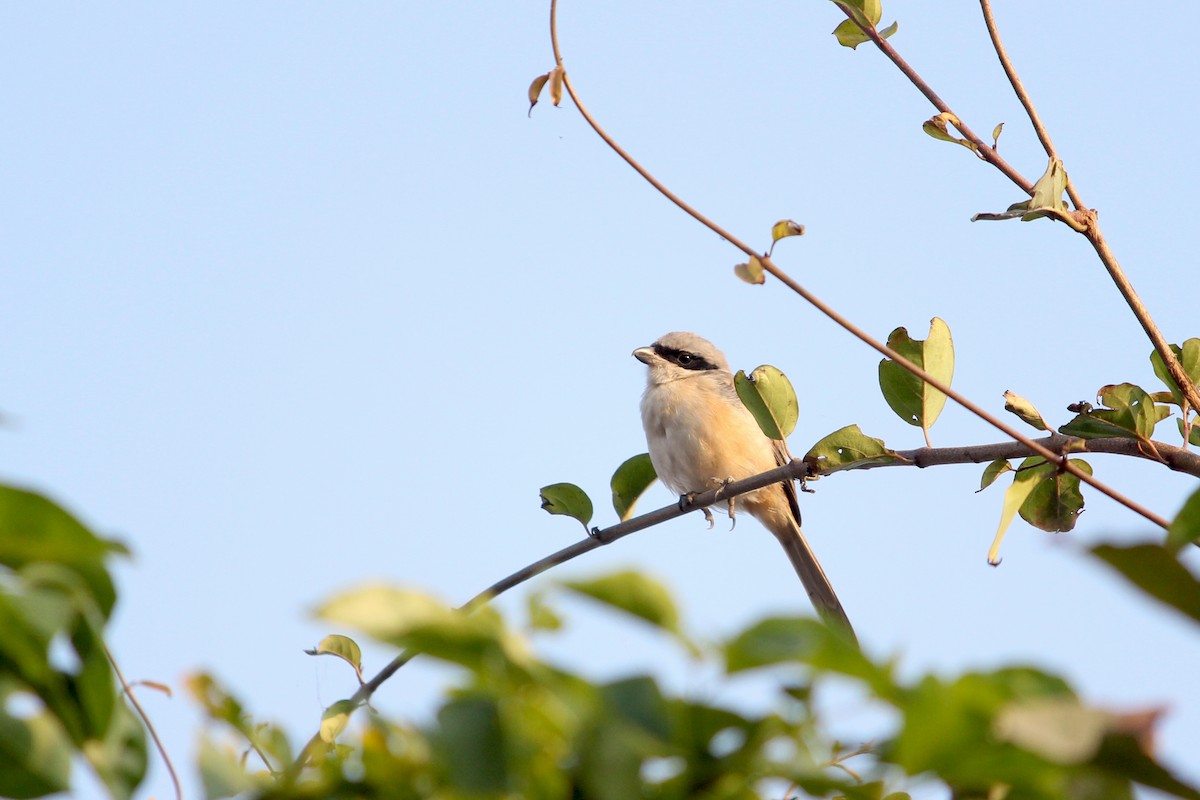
column 732, row 509
column 685, row 502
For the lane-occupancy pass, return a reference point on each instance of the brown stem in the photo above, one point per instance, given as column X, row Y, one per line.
column 1019, row 88
column 141, row 712
column 985, row 151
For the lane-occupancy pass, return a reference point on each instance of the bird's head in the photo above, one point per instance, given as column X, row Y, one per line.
column 680, row 355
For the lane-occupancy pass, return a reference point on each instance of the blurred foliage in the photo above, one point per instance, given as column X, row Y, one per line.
column 517, row 726
column 59, row 698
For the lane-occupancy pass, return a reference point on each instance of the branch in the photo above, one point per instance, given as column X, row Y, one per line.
column 141, row 712
column 1175, row 458
column 985, row 151
column 1092, row 228
column 1019, row 89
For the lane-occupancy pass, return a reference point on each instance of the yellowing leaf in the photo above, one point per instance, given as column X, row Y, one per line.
column 1060, row 729
column 751, row 272
column 1014, row 497
column 785, row 228
column 556, row 84
column 535, row 90
column 849, row 34
column 992, row 471
column 1024, row 409
column 938, row 128
column 335, row 719
column 913, row 400
column 344, row 648
column 996, row 135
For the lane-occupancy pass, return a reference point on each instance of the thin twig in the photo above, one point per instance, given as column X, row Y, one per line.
column 986, row 151
column 1092, row 230
column 141, row 712
column 1019, row 88
column 1092, row 227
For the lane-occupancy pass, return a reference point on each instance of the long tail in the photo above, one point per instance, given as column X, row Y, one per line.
column 820, row 590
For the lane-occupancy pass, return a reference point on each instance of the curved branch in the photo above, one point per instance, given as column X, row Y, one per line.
column 1019, row 89
column 141, row 712
column 1092, row 228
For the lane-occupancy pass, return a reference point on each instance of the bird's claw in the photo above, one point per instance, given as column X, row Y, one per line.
column 732, row 510
column 685, row 502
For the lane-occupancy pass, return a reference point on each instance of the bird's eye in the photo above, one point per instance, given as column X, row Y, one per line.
column 686, row 358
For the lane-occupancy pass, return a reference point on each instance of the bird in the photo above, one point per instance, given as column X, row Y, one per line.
column 701, row 436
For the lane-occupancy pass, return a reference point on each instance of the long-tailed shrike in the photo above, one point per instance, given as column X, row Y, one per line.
column 700, row 435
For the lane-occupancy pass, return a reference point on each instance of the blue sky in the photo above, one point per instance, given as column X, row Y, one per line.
column 298, row 297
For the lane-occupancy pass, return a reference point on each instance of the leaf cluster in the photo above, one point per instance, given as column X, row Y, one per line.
column 59, row 697
column 517, row 725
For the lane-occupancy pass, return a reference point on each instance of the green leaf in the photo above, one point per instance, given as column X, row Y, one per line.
column 412, row 619
column 119, row 757
column 751, row 272
column 850, row 35
column 1188, row 357
column 633, row 593
column 996, row 135
column 771, row 399
column 639, row 702
column 335, row 719
column 785, row 228
column 471, row 745
column 344, row 648
column 890, row 30
column 223, row 772
column 1193, row 437
column 33, row 528
column 34, row 750
column 1185, row 528
column 848, row 448
column 541, row 616
column 1055, row 503
column 783, row 640
column 913, row 400
column 569, row 500
column 992, row 471
column 774, row 640
column 630, row 482
column 1126, row 756
column 1024, row 409
column 1154, row 569
column 1131, row 413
